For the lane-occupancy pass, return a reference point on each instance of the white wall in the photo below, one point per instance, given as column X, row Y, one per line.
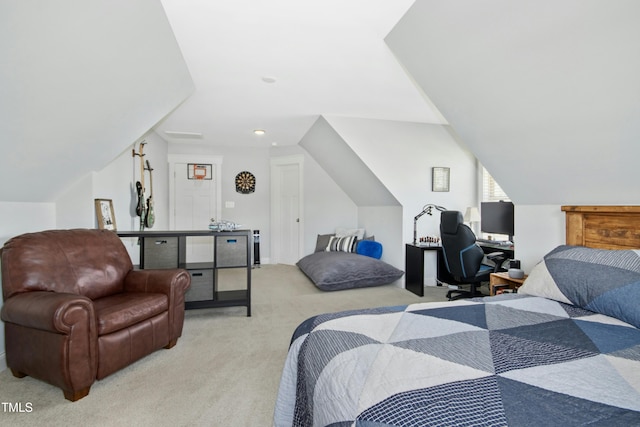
column 326, row 206
column 539, row 228
column 385, row 223
column 75, row 207
column 250, row 210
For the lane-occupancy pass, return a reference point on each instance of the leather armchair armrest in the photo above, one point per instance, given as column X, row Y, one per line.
column 159, row 281
column 49, row 311
column 52, row 336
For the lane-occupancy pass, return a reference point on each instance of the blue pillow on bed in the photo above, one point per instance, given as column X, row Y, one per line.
column 369, row 248
column 600, row 280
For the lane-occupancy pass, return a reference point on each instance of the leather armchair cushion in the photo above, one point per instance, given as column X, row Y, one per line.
column 125, row 309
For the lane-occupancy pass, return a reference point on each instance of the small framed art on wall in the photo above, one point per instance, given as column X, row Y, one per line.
column 440, row 179
column 105, row 215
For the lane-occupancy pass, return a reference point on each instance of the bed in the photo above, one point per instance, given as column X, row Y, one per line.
column 563, row 351
column 347, row 261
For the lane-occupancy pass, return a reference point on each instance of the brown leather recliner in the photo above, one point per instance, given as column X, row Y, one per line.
column 75, row 310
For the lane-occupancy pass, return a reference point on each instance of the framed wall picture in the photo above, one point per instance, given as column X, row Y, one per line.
column 105, row 215
column 440, row 179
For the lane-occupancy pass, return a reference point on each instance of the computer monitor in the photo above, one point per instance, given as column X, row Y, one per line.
column 497, row 217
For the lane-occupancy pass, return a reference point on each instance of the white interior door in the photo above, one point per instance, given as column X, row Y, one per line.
column 194, row 204
column 287, row 210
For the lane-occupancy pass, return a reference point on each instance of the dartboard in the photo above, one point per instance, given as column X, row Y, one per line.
column 245, row 182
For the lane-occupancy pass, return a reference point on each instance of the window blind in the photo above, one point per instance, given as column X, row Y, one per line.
column 491, row 191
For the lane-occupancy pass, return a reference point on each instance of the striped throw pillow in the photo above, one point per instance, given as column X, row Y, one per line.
column 342, row 244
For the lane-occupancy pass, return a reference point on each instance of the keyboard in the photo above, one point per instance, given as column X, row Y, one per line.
column 495, row 242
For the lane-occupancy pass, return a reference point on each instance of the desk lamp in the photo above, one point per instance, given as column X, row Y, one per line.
column 425, row 210
column 472, row 215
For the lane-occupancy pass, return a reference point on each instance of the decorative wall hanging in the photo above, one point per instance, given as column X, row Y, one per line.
column 199, row 171
column 440, row 179
column 105, row 215
column 245, row 182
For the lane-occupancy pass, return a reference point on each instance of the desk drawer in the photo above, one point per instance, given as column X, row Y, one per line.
column 231, row 251
column 201, row 286
column 160, row 252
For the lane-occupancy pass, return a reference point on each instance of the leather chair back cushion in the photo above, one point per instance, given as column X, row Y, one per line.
column 92, row 263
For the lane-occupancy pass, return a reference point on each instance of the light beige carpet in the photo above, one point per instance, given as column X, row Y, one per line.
column 224, row 371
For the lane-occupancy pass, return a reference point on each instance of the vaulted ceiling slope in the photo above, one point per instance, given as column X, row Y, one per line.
column 280, row 64
column 545, row 93
column 79, row 83
column 348, row 170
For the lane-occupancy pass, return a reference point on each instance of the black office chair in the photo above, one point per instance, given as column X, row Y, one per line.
column 463, row 256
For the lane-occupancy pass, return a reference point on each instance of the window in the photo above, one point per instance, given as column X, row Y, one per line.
column 491, row 191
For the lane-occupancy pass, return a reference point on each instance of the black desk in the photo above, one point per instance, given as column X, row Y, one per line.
column 414, row 267
column 414, row 264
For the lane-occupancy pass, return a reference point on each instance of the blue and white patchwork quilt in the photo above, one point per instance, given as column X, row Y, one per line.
column 510, row 360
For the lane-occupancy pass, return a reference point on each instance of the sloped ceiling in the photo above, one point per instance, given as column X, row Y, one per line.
column 545, row 93
column 351, row 174
column 80, row 81
column 318, row 57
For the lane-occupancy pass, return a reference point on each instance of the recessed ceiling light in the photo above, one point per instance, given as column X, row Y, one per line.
column 268, row 79
column 274, row 143
column 259, row 131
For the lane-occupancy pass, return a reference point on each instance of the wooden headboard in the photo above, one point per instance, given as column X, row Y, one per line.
column 604, row 227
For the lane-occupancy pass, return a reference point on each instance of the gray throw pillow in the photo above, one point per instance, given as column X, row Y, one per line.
column 322, row 241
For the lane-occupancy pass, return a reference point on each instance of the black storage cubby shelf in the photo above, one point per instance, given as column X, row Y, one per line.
column 231, row 249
